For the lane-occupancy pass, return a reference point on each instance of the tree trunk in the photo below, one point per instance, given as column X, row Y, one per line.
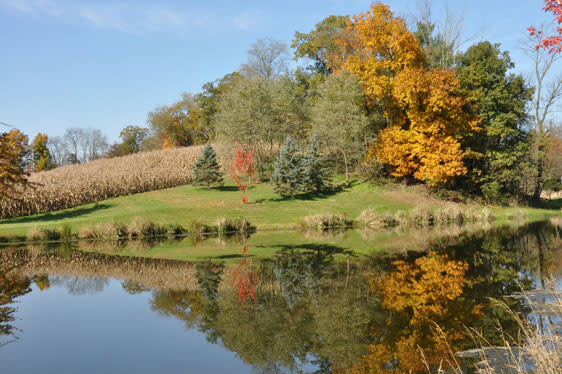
column 346, row 169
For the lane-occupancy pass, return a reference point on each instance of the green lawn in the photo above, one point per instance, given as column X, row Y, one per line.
column 266, row 210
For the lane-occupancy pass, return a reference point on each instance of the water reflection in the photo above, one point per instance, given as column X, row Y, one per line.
column 317, row 308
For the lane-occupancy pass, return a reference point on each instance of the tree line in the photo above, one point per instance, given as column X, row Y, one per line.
column 382, row 101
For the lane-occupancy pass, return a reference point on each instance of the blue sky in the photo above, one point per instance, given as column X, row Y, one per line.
column 105, row 64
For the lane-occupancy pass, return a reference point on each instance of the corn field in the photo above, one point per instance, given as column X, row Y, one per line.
column 74, row 185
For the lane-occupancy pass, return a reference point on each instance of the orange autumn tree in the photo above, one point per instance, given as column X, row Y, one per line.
column 425, row 117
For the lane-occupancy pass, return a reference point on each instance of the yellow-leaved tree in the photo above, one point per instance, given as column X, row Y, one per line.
column 425, row 116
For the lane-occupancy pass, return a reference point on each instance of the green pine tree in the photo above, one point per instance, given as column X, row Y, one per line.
column 315, row 172
column 287, row 175
column 207, row 169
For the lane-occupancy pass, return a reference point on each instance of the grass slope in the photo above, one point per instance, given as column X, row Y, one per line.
column 182, row 205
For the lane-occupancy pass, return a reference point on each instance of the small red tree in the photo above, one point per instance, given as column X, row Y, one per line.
column 552, row 43
column 243, row 172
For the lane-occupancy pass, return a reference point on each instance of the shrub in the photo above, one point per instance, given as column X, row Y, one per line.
column 321, row 222
column 369, row 218
column 492, row 193
column 421, row 216
column 175, row 231
column 144, row 229
column 199, row 229
column 207, row 169
column 66, row 232
column 108, row 230
column 237, row 225
column 43, row 235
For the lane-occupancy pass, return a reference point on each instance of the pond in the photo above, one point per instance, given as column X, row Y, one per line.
column 300, row 305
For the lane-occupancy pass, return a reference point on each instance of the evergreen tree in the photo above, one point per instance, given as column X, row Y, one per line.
column 207, row 169
column 314, row 169
column 288, row 172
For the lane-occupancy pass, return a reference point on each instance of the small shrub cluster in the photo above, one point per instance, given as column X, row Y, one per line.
column 324, row 222
column 370, row 219
column 421, row 217
column 225, row 226
column 43, row 235
column 143, row 229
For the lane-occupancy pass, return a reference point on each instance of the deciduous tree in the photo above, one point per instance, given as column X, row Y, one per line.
column 177, row 125
column 132, row 139
column 260, row 113
column 340, row 120
column 553, row 42
column 320, row 42
column 267, row 58
column 12, row 173
column 41, row 156
column 425, row 116
column 243, row 172
column 499, row 98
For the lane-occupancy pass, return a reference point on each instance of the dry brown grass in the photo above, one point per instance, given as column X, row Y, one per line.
column 540, row 334
column 74, row 185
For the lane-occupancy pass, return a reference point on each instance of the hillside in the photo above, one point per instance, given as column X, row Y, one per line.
column 266, row 210
column 74, row 185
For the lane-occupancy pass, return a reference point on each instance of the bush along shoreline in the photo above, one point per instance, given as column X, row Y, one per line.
column 418, row 217
column 139, row 229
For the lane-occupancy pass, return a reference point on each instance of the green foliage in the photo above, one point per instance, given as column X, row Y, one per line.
column 492, row 192
column 439, row 51
column 208, row 101
column 259, row 113
column 132, row 139
column 339, row 118
column 41, row 157
column 288, row 173
column 297, row 172
column 207, row 170
column 499, row 99
column 178, row 124
column 320, row 43
column 315, row 171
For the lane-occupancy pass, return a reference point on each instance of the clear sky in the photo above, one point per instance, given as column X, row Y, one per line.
column 105, row 64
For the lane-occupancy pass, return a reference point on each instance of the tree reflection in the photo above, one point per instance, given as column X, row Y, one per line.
column 11, row 287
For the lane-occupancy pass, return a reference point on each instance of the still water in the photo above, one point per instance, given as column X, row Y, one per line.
column 305, row 308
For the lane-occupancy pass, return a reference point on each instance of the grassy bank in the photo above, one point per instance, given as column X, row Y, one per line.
column 266, row 210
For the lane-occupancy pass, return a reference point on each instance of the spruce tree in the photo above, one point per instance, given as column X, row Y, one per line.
column 315, row 172
column 288, row 172
column 207, row 169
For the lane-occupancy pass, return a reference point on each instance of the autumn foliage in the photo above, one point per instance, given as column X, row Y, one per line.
column 551, row 43
column 425, row 117
column 426, row 316
column 245, row 277
column 243, row 172
column 12, row 175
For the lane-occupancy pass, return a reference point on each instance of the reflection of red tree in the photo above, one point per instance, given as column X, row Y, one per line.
column 245, row 277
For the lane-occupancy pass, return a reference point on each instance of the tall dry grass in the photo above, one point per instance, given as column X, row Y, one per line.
column 540, row 351
column 74, row 185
